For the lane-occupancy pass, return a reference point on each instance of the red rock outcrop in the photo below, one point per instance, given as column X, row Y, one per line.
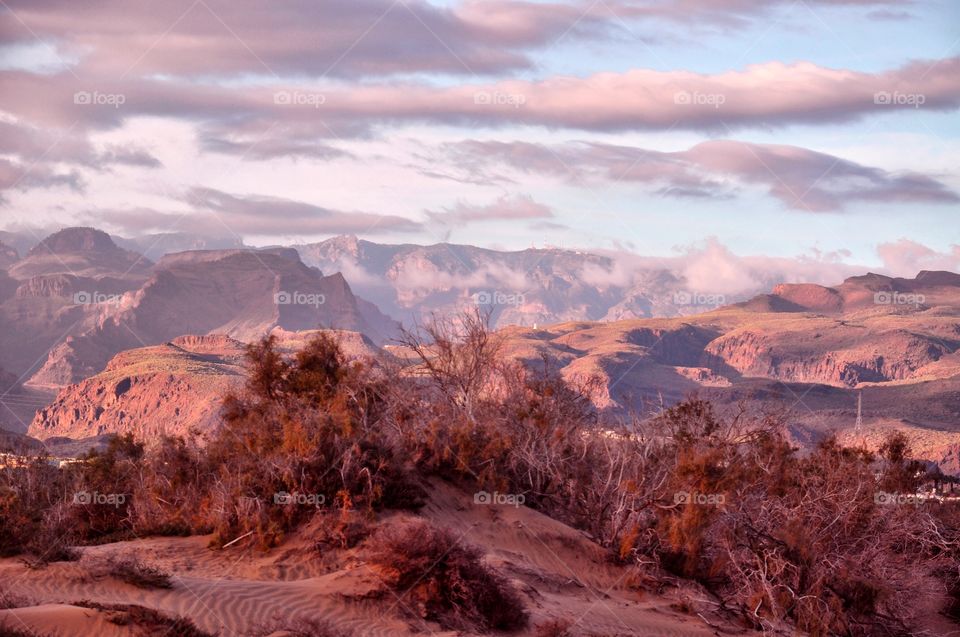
column 166, row 389
column 169, row 389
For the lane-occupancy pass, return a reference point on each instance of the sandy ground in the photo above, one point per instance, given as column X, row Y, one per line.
column 242, row 591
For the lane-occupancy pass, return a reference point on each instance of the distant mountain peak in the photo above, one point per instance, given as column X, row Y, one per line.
column 78, row 239
column 938, row 277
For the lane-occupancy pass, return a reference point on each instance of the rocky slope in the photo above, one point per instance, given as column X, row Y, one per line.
column 773, row 355
column 59, row 289
column 169, row 389
column 808, row 349
column 525, row 287
column 82, row 252
column 76, row 299
column 152, row 391
column 241, row 293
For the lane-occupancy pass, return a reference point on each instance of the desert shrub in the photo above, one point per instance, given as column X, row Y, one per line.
column 148, row 621
column 53, row 539
column 901, row 474
column 171, row 494
column 102, row 490
column 133, row 571
column 444, row 578
column 7, row 629
column 555, row 628
column 343, row 529
column 44, row 509
column 304, row 433
column 300, row 627
column 790, row 538
column 27, row 492
column 523, row 429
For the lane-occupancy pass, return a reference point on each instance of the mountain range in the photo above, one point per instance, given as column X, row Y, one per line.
column 526, row 287
column 76, row 299
column 98, row 339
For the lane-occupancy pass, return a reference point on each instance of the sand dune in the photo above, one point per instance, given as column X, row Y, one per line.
column 241, row 590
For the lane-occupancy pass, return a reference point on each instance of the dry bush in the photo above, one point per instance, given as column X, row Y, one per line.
column 300, row 627
column 148, row 621
column 26, row 494
column 444, row 578
column 311, row 427
column 8, row 630
column 555, row 628
column 457, row 354
column 798, row 539
column 44, row 510
column 171, row 493
column 523, row 429
column 135, row 572
column 100, row 491
column 343, row 530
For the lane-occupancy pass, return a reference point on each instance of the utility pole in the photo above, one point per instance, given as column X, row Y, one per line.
column 858, row 428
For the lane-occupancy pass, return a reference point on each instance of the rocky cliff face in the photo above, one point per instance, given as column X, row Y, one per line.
column 241, row 293
column 59, row 290
column 845, row 358
column 524, row 287
column 169, row 389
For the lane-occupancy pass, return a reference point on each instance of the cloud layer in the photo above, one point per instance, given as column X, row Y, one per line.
column 799, row 178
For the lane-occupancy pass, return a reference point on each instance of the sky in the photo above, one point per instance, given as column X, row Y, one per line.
column 821, row 132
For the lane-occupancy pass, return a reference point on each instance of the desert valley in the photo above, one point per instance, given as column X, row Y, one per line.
column 470, row 318
column 151, row 350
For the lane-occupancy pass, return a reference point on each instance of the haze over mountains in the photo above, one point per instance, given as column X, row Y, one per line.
column 523, row 287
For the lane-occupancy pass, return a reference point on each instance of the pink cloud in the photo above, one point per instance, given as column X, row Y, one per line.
column 507, row 207
column 348, row 37
column 800, row 178
column 905, row 257
column 760, row 95
column 308, row 37
column 216, row 213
